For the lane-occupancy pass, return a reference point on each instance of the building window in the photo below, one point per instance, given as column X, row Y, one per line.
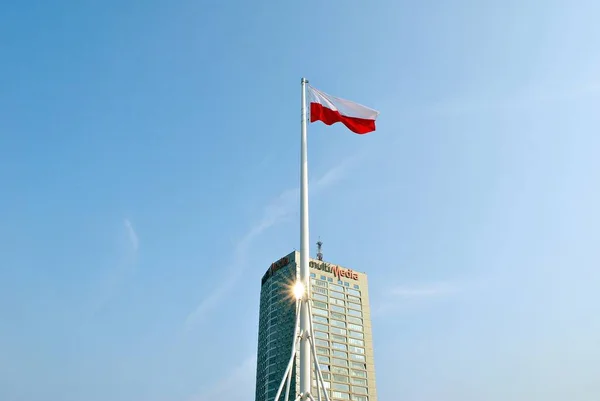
column 319, row 334
column 358, row 350
column 338, row 316
column 356, row 320
column 321, row 350
column 359, row 390
column 356, row 286
column 323, row 358
column 322, row 343
column 358, row 373
column 342, row 347
column 340, row 362
column 318, row 283
column 359, row 365
column 357, row 334
column 336, row 295
column 325, row 384
column 358, row 382
column 330, row 279
column 337, row 323
column 355, row 306
column 321, row 312
column 319, row 290
column 353, row 298
column 354, row 312
column 342, row 396
column 359, row 397
column 320, row 319
column 339, row 331
column 313, row 275
column 337, row 287
column 340, row 354
column 322, row 327
column 340, row 386
column 353, row 292
column 343, row 379
column 338, row 309
column 337, row 301
column 338, row 370
column 319, row 304
column 320, row 297
column 352, row 326
column 335, row 337
column 358, row 357
column 354, row 341
column 324, row 367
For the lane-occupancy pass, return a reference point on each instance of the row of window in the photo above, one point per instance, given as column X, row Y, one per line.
column 328, row 284
column 337, row 323
column 338, row 298
column 345, row 379
column 336, row 395
column 321, row 343
column 337, row 305
column 353, row 365
column 353, row 373
column 340, row 387
column 339, row 332
column 337, row 347
column 330, row 280
column 338, row 316
column 337, row 309
column 341, row 362
column 320, row 295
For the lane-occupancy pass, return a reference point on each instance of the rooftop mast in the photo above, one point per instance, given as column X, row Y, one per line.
column 319, row 250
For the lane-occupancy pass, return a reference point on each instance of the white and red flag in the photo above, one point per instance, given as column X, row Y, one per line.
column 330, row 110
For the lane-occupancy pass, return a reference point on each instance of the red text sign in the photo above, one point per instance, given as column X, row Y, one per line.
column 336, row 270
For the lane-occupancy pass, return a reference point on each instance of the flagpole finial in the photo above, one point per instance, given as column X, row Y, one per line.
column 304, row 80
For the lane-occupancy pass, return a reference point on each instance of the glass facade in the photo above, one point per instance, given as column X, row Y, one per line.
column 342, row 334
column 275, row 331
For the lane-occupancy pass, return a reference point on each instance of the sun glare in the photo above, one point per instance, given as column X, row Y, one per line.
column 298, row 290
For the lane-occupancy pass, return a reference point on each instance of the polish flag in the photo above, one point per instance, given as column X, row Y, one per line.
column 330, row 110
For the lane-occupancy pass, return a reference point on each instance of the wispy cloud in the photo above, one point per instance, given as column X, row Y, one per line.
column 407, row 297
column 282, row 208
column 133, row 238
column 402, row 297
column 525, row 99
column 236, row 386
column 123, row 266
column 425, row 291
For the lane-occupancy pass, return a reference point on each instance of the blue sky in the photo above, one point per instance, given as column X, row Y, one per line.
column 149, row 170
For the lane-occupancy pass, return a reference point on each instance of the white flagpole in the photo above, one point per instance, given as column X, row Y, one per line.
column 305, row 372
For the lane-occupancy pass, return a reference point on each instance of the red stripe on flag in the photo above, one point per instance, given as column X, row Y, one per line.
column 329, row 117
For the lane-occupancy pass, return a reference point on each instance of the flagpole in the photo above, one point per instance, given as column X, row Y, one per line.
column 303, row 331
column 305, row 372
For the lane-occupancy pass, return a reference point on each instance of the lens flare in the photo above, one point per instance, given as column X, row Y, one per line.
column 298, row 290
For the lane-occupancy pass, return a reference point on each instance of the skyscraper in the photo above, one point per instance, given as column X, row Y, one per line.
column 342, row 327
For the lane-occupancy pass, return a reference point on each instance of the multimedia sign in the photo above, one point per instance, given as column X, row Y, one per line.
column 336, row 270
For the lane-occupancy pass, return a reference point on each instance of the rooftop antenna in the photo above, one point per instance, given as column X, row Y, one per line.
column 319, row 250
